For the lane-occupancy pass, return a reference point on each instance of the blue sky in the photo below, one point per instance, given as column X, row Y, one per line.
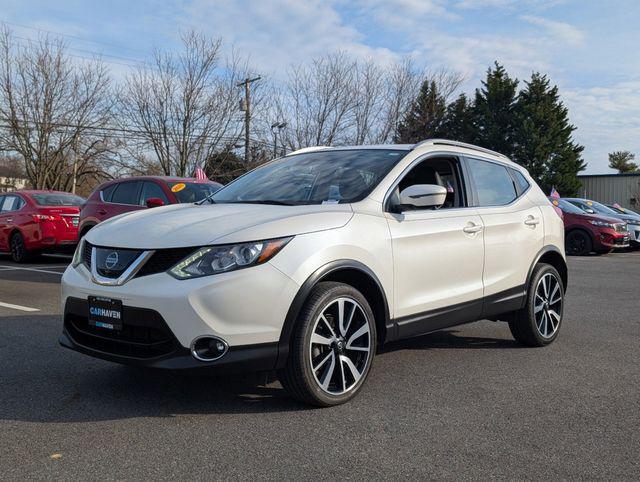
column 590, row 48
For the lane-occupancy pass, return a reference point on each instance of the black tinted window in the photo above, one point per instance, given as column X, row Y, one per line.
column 125, row 193
column 521, row 182
column 57, row 199
column 151, row 190
column 494, row 185
column 107, row 192
column 190, row 192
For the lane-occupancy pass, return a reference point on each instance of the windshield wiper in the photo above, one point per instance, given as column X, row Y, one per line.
column 208, row 199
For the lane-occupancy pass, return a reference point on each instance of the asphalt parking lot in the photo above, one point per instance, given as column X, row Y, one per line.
column 463, row 403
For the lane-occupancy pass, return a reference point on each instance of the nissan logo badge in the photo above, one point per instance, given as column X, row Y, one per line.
column 111, row 261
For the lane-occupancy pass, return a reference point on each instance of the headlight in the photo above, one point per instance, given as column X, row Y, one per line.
column 602, row 224
column 77, row 255
column 634, row 223
column 221, row 259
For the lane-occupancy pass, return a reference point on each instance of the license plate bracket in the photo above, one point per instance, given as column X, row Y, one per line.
column 105, row 313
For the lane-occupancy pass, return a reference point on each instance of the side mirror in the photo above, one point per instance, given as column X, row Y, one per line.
column 154, row 202
column 423, row 196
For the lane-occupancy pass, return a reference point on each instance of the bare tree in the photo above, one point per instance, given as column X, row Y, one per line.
column 184, row 107
column 317, row 101
column 53, row 111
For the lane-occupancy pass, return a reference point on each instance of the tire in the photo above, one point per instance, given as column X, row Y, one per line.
column 539, row 322
column 332, row 369
column 19, row 251
column 578, row 243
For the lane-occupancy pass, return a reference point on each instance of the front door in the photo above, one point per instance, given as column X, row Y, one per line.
column 438, row 255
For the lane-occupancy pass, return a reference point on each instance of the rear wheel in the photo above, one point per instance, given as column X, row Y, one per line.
column 538, row 323
column 332, row 347
column 19, row 251
column 578, row 243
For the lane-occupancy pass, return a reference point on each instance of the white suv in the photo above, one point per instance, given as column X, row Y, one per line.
column 307, row 264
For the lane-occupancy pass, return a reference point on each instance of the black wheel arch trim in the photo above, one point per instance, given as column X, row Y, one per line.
column 545, row 250
column 305, row 290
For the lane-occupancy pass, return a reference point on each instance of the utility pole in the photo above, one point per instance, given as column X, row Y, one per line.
column 246, row 107
column 75, row 166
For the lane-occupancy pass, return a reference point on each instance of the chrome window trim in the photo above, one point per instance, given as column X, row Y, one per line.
column 129, row 273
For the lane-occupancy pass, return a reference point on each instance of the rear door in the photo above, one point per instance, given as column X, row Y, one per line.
column 513, row 233
column 8, row 204
column 124, row 198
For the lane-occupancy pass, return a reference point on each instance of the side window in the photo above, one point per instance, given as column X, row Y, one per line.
column 1, row 203
column 494, row 185
column 151, row 189
column 521, row 183
column 107, row 192
column 9, row 203
column 444, row 172
column 126, row 193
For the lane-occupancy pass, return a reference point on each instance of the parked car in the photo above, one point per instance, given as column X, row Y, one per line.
column 32, row 222
column 594, row 207
column 132, row 194
column 309, row 263
column 634, row 224
column 586, row 233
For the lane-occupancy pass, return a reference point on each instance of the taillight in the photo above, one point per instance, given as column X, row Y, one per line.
column 38, row 218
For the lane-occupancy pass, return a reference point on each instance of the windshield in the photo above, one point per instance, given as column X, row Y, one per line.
column 566, row 206
column 190, row 192
column 320, row 177
column 587, row 205
column 57, row 199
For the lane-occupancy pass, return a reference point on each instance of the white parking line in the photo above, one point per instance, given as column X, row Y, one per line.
column 8, row 268
column 18, row 307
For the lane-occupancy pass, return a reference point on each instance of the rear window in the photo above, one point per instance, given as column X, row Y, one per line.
column 494, row 185
column 190, row 192
column 57, row 199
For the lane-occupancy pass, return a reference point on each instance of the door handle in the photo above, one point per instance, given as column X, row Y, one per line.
column 531, row 221
column 472, row 228
column 9, row 220
column 102, row 212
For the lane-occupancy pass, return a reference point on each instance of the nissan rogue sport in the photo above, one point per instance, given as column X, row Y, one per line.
column 309, row 263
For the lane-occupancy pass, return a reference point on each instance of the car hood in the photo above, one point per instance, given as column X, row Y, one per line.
column 600, row 217
column 181, row 225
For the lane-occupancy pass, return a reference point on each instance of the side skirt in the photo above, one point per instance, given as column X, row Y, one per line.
column 433, row 320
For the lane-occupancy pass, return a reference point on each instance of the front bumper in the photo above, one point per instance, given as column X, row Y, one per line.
column 634, row 235
column 162, row 316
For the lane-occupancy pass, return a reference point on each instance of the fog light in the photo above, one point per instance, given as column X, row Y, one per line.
column 208, row 348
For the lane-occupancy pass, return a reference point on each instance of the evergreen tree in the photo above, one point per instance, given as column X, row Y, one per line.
column 458, row 123
column 543, row 138
column 622, row 161
column 494, row 110
column 425, row 117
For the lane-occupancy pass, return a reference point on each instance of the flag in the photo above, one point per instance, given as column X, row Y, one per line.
column 554, row 194
column 200, row 174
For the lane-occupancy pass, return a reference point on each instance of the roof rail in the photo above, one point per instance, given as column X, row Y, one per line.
column 309, row 149
column 446, row 142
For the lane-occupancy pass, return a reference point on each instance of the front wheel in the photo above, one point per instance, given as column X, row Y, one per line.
column 578, row 243
column 332, row 348
column 538, row 323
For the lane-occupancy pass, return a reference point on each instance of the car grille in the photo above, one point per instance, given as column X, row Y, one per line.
column 161, row 261
column 144, row 333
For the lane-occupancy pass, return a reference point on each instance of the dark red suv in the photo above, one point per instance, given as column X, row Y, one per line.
column 36, row 221
column 131, row 194
column 585, row 233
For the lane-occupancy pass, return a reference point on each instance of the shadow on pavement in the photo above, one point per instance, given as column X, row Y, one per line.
column 43, row 382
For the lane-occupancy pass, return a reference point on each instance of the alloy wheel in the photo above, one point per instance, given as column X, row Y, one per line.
column 340, row 346
column 548, row 305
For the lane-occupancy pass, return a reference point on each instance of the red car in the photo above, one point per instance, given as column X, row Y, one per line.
column 585, row 233
column 35, row 221
column 132, row 194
